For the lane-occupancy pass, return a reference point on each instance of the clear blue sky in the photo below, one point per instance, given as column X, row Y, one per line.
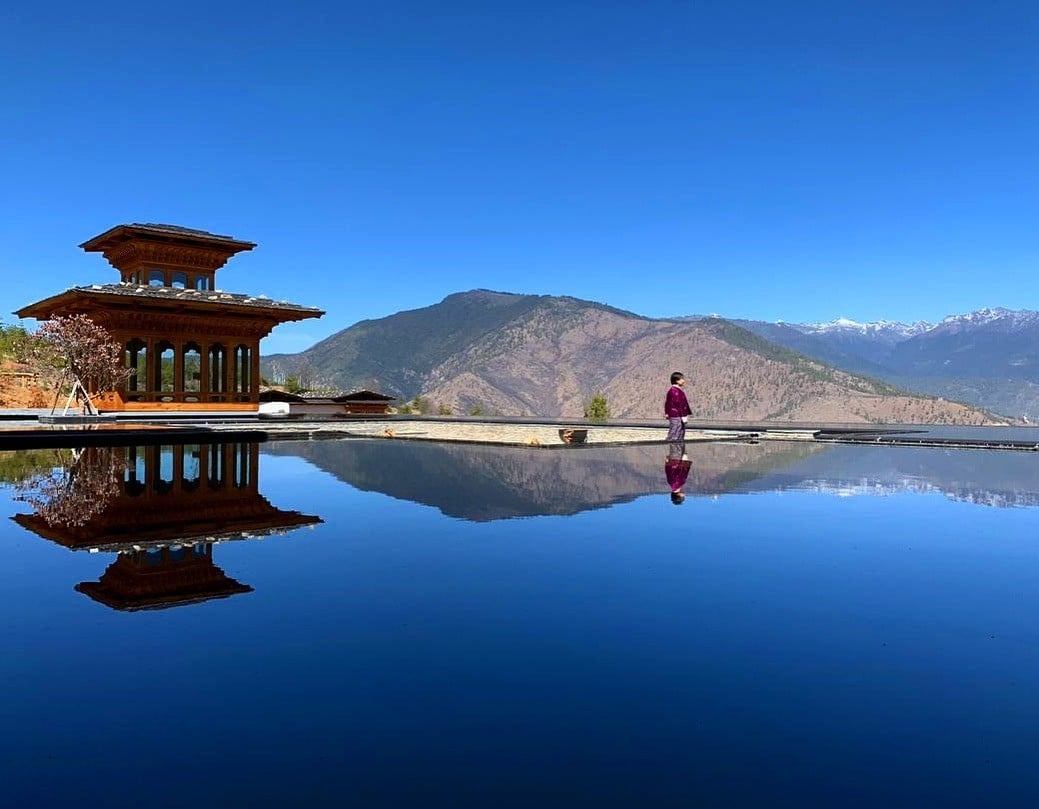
column 771, row 160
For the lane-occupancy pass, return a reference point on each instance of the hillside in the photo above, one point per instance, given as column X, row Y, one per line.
column 393, row 354
column 546, row 356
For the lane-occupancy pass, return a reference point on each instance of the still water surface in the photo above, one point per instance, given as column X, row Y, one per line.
column 386, row 623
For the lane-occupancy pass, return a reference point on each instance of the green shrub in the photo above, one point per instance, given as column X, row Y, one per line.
column 598, row 409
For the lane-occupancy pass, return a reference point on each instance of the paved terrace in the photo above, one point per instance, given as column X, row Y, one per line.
column 23, row 429
column 511, row 433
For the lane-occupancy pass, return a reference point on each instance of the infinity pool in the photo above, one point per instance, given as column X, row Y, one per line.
column 391, row 623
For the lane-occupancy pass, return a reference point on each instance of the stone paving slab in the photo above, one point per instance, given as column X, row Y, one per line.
column 527, row 435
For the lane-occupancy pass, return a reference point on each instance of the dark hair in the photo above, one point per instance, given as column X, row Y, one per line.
column 677, row 498
column 676, row 376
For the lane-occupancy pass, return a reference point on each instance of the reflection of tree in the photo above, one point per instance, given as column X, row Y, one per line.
column 80, row 484
column 17, row 466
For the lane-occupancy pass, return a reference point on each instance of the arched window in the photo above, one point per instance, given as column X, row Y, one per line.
column 135, row 472
column 156, row 278
column 217, row 369
column 242, row 365
column 136, row 361
column 215, row 466
column 192, row 368
column 241, row 463
column 164, row 367
column 202, row 283
column 165, row 477
column 180, row 280
column 191, row 467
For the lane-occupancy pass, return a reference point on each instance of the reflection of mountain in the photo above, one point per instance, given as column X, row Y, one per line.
column 993, row 478
column 480, row 483
column 488, row 483
column 164, row 509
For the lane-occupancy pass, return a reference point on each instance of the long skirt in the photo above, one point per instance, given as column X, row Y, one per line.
column 675, row 429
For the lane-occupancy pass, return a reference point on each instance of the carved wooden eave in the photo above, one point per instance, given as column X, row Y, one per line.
column 138, row 255
column 119, row 307
column 123, row 530
column 130, row 247
column 128, row 586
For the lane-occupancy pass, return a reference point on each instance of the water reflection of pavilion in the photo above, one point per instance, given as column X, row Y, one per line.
column 170, row 505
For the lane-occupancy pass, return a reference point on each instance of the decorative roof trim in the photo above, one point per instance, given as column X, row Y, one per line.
column 172, row 295
column 126, row 232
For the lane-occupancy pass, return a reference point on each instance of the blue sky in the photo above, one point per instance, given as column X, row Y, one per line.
column 794, row 161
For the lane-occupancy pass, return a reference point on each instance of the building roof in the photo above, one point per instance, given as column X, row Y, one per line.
column 121, row 538
column 165, row 297
column 123, row 588
column 364, row 396
column 161, row 232
column 274, row 395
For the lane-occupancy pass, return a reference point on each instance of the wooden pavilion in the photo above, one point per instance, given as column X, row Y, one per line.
column 190, row 345
column 167, row 507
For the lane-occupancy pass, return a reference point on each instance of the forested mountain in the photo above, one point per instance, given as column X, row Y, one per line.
column 529, row 355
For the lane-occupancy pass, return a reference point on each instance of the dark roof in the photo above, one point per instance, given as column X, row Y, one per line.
column 272, row 395
column 122, row 233
column 128, row 599
column 364, row 396
column 213, row 297
column 179, row 230
column 115, row 540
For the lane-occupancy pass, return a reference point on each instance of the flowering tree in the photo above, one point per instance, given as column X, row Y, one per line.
column 73, row 353
column 79, row 486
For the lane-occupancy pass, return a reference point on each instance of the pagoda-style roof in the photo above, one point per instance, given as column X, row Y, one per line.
column 211, row 529
column 85, row 300
column 128, row 586
column 140, row 251
column 274, row 395
column 172, row 234
column 364, row 396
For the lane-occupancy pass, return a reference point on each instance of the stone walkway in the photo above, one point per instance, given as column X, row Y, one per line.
column 526, row 435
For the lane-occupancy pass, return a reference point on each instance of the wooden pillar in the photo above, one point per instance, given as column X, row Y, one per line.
column 254, row 373
column 178, row 391
column 203, row 372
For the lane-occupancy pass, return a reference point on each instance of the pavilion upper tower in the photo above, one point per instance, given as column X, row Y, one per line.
column 166, row 255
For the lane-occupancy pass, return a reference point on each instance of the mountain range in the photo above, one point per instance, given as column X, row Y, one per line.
column 988, row 358
column 539, row 355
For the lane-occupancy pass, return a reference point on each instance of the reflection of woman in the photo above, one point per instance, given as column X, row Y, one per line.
column 676, row 470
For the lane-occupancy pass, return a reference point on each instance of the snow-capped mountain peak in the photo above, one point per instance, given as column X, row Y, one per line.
column 888, row 328
column 1013, row 318
column 891, row 331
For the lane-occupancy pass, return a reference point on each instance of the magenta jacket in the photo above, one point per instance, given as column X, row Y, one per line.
column 676, row 405
column 676, row 473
